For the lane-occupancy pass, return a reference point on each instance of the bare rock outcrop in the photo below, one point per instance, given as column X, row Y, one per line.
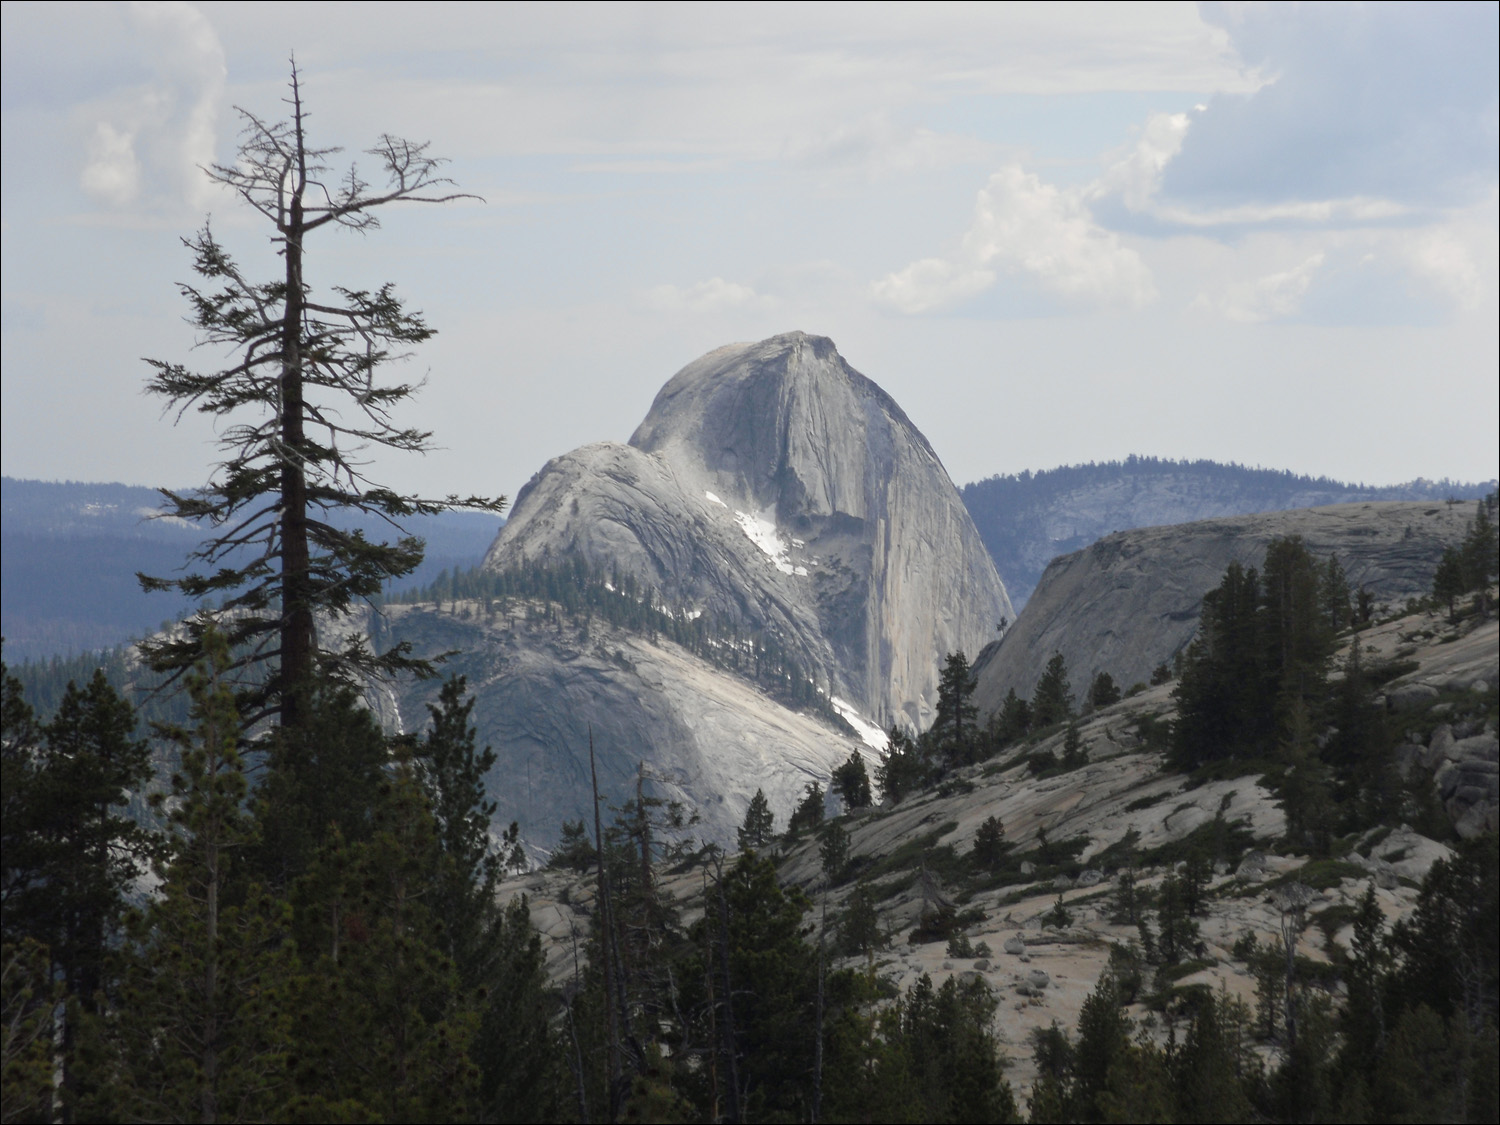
column 773, row 485
column 780, row 493
column 1132, row 600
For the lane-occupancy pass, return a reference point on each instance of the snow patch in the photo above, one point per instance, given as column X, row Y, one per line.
column 762, row 532
column 712, row 499
column 871, row 735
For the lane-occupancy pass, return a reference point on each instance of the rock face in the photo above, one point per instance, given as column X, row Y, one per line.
column 1132, row 600
column 1029, row 519
column 776, row 490
column 773, row 485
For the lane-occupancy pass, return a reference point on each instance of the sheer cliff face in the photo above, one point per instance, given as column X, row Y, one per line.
column 774, row 485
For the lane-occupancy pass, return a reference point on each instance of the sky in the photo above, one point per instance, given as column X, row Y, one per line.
column 1054, row 233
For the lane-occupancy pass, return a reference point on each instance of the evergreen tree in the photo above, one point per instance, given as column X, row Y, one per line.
column 299, row 398
column 207, row 988
column 467, row 872
column 395, row 1027
column 758, row 829
column 1450, row 583
column 989, row 844
column 808, row 815
column 1052, row 702
column 851, row 781
column 901, row 770
column 833, row 850
column 1014, row 720
column 859, row 927
column 955, row 726
column 70, row 853
column 1103, row 691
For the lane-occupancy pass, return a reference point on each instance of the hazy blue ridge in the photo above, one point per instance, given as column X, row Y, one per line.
column 70, row 551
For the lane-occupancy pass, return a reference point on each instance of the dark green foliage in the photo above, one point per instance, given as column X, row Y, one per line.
column 859, row 929
column 1013, row 722
column 451, row 771
column 70, row 853
column 1059, row 917
column 1103, row 691
column 851, row 781
column 210, row 976
column 29, row 999
column 833, row 850
column 901, row 770
column 758, row 828
column 1052, row 702
column 1161, row 674
column 954, row 728
column 808, row 815
column 574, row 851
column 1073, row 755
column 989, row 844
column 1449, row 582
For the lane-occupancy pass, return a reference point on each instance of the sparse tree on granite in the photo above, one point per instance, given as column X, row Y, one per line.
column 1103, row 691
column 1052, row 702
column 808, row 815
column 851, row 781
column 901, row 769
column 758, row 829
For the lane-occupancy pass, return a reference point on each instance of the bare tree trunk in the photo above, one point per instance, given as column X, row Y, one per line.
column 297, row 627
column 611, row 1018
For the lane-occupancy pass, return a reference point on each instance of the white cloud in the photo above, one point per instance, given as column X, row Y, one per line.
column 1272, row 297
column 1034, row 229
column 1136, row 176
column 112, row 175
column 713, row 295
column 148, row 143
column 1459, row 257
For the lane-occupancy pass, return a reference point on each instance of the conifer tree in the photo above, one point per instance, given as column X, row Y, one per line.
column 1014, row 720
column 301, row 398
column 901, row 769
column 209, row 978
column 808, row 815
column 758, row 828
column 1052, row 702
column 955, row 726
column 851, row 781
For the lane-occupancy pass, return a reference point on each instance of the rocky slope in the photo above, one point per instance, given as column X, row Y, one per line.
column 773, row 491
column 1028, row 519
column 1132, row 600
column 1124, row 809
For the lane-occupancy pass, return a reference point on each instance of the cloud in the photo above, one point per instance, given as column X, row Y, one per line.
column 1272, row 297
column 1389, row 101
column 713, row 295
column 1460, row 258
column 876, row 144
column 112, row 175
column 1136, row 175
column 1033, row 229
column 148, row 142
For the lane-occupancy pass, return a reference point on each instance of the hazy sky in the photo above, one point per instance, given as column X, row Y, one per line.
column 1054, row 233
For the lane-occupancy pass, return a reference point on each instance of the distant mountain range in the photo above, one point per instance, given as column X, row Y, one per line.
column 71, row 551
column 1028, row 519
